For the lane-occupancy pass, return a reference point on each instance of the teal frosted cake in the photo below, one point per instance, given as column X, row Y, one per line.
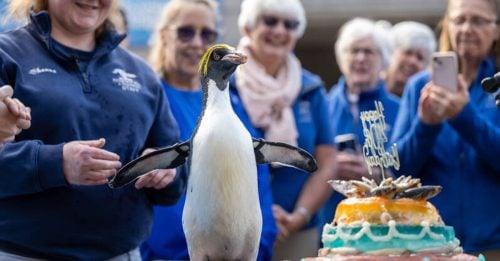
column 389, row 221
column 390, row 239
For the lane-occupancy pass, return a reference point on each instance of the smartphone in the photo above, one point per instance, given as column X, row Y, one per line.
column 347, row 143
column 445, row 70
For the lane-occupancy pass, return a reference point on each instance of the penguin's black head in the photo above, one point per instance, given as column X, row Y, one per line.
column 219, row 62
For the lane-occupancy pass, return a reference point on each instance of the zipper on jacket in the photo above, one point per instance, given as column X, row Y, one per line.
column 85, row 79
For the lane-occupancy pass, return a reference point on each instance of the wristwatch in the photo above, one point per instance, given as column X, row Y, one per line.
column 305, row 213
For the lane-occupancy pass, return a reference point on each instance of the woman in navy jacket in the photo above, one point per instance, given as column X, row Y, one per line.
column 94, row 105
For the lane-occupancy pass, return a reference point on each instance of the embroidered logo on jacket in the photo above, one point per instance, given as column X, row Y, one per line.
column 126, row 80
column 38, row 70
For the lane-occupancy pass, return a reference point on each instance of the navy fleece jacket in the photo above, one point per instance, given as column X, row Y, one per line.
column 115, row 96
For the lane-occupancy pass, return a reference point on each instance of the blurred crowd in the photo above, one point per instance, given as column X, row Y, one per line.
column 76, row 104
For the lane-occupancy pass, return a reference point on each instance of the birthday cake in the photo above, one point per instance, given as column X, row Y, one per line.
column 389, row 221
column 392, row 220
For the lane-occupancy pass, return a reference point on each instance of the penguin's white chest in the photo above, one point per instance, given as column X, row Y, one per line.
column 222, row 195
column 222, row 146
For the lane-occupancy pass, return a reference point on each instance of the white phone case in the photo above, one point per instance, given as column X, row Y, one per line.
column 445, row 70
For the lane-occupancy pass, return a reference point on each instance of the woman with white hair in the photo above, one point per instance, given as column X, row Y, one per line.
column 289, row 105
column 362, row 52
column 412, row 46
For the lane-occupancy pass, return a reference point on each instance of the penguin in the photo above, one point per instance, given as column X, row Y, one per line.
column 221, row 217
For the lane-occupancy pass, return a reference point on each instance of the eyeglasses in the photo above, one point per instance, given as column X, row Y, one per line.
column 475, row 21
column 369, row 52
column 187, row 33
column 272, row 21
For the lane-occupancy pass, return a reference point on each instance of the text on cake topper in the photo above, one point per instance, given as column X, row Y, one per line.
column 375, row 138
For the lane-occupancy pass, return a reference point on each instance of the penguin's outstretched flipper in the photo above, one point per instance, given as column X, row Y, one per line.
column 283, row 154
column 165, row 158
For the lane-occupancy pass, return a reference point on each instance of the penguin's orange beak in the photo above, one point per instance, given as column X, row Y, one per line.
column 236, row 58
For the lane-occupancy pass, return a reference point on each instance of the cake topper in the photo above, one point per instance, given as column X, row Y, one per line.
column 375, row 138
column 375, row 155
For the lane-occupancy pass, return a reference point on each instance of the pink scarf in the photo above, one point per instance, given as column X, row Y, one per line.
column 267, row 99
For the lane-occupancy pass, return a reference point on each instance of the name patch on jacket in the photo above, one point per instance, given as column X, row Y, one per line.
column 38, row 70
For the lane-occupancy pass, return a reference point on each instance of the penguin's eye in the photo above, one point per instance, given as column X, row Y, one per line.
column 216, row 57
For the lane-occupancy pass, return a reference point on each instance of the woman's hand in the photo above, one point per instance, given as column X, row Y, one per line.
column 437, row 104
column 14, row 116
column 287, row 223
column 351, row 166
column 86, row 163
column 158, row 178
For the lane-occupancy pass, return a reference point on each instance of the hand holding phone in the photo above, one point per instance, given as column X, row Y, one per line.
column 347, row 142
column 445, row 70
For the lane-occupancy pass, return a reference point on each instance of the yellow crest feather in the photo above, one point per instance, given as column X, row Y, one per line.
column 203, row 67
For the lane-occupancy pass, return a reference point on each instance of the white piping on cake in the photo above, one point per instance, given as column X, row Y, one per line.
column 393, row 232
column 449, row 248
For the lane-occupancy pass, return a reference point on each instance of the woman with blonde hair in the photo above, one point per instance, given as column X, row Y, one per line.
column 185, row 31
column 94, row 106
column 452, row 137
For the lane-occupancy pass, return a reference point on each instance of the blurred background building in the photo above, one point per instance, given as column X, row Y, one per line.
column 324, row 17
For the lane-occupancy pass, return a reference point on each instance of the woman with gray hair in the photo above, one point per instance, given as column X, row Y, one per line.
column 362, row 51
column 288, row 104
column 412, row 46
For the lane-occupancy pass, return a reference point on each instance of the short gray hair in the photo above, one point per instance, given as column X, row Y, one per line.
column 358, row 29
column 412, row 35
column 251, row 10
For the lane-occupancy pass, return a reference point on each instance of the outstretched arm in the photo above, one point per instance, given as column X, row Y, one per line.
column 31, row 167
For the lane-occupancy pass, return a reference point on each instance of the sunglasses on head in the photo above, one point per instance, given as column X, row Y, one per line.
column 272, row 21
column 187, row 33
